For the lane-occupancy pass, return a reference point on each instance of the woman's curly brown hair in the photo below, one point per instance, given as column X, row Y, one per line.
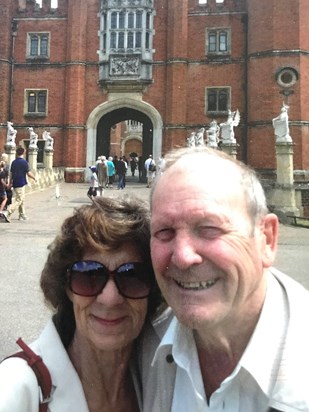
column 106, row 223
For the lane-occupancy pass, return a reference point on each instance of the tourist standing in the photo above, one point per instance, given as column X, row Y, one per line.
column 150, row 167
column 94, row 183
column 110, row 172
column 121, row 169
column 3, row 186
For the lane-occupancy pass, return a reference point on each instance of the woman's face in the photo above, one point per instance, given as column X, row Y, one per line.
column 109, row 321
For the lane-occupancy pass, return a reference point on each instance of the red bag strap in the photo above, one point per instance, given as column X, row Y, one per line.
column 41, row 372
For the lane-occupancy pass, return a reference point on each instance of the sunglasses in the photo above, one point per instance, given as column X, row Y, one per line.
column 89, row 278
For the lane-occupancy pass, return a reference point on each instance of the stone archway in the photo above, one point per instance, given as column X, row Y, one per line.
column 114, row 105
column 127, row 139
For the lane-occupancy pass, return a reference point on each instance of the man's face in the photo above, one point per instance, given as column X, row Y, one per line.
column 208, row 259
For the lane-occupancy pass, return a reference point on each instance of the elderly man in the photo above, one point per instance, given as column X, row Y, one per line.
column 238, row 339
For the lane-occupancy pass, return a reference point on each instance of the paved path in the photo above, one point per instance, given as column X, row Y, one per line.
column 23, row 252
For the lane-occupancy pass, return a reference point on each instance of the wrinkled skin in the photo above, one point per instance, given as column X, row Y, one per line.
column 210, row 262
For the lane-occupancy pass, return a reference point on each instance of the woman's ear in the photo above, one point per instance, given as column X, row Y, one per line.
column 270, row 227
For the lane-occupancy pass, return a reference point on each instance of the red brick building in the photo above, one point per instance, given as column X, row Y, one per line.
column 77, row 68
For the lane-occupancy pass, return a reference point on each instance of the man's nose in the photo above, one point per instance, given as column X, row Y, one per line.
column 185, row 252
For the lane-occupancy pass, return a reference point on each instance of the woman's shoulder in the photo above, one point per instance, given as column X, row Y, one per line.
column 19, row 387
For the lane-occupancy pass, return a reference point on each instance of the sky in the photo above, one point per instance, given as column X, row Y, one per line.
column 54, row 3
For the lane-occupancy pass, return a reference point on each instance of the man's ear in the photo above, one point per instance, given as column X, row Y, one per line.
column 270, row 229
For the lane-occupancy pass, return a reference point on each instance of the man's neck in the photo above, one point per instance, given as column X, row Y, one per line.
column 216, row 365
column 220, row 351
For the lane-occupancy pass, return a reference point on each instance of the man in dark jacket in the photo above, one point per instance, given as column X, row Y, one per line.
column 18, row 179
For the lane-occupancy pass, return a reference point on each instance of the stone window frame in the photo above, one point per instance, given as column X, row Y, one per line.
column 41, row 54
column 217, row 90
column 287, row 77
column 36, row 112
column 218, row 31
column 127, row 31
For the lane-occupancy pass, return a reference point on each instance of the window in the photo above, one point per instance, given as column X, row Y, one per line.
column 287, row 77
column 38, row 45
column 128, row 31
column 217, row 99
column 217, row 41
column 36, row 102
column 126, row 41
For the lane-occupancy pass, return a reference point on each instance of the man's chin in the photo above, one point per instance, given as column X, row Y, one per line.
column 195, row 317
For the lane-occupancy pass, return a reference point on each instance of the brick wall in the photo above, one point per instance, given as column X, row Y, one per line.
column 261, row 45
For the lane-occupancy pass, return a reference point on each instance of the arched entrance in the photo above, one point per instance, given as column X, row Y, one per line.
column 109, row 120
column 107, row 114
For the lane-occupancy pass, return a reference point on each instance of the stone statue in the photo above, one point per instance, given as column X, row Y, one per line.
column 281, row 126
column 33, row 139
column 213, row 134
column 199, row 137
column 49, row 145
column 191, row 140
column 227, row 128
column 11, row 134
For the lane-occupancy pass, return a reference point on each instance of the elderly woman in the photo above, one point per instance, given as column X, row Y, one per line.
column 99, row 280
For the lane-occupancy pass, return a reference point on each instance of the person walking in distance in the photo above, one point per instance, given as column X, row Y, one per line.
column 18, row 179
column 94, row 183
column 122, row 170
column 150, row 167
column 3, row 187
column 110, row 172
column 5, row 158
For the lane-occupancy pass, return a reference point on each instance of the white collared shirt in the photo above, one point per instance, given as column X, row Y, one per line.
column 248, row 388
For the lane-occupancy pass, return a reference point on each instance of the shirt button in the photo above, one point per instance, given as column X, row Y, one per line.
column 169, row 358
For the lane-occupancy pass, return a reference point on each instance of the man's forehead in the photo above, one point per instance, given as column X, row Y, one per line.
column 213, row 173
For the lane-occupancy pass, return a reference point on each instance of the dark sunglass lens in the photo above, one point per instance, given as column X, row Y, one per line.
column 87, row 278
column 133, row 280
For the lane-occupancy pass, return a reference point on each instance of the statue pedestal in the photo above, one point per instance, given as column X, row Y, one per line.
column 284, row 197
column 212, row 143
column 48, row 164
column 284, row 156
column 10, row 150
column 32, row 159
column 48, row 159
column 230, row 149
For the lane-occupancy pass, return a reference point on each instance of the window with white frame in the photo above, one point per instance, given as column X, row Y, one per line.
column 126, row 40
column 126, row 31
column 217, row 99
column 38, row 45
column 217, row 41
column 36, row 102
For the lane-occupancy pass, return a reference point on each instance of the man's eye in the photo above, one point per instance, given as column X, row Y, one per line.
column 210, row 232
column 164, row 235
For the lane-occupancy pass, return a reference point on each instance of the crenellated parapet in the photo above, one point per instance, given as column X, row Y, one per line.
column 216, row 6
column 42, row 8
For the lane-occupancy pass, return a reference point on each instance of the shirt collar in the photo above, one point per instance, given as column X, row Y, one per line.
column 268, row 336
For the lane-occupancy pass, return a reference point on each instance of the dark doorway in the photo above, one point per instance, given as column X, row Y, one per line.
column 120, row 115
